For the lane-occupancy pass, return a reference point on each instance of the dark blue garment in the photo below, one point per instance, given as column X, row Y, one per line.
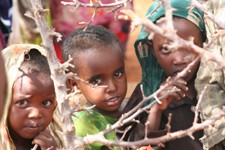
column 5, row 20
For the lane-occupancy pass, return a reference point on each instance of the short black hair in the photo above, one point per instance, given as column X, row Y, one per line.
column 83, row 39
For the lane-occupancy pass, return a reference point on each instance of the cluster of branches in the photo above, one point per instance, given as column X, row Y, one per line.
column 59, row 77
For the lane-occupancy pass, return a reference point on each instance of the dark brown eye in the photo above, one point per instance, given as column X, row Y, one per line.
column 118, row 74
column 22, row 103
column 47, row 102
column 164, row 49
column 95, row 81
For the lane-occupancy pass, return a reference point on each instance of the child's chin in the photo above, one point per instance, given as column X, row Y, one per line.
column 112, row 109
column 31, row 133
column 30, row 137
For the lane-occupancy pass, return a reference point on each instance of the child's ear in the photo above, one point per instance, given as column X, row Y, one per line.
column 71, row 84
column 151, row 48
column 153, row 51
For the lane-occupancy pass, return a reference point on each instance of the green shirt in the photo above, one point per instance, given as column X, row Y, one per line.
column 91, row 123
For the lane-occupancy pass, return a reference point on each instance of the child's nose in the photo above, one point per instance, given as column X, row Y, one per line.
column 179, row 57
column 34, row 113
column 111, row 86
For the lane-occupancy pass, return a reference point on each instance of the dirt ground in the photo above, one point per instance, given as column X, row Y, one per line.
column 133, row 69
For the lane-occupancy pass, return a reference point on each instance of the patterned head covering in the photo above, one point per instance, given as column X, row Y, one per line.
column 13, row 57
column 152, row 73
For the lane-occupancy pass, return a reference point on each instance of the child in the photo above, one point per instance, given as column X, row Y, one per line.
column 30, row 101
column 98, row 57
column 158, row 63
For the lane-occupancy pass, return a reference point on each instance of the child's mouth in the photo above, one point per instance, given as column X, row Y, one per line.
column 34, row 128
column 113, row 100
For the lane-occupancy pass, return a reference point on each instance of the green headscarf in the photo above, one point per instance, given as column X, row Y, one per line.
column 152, row 73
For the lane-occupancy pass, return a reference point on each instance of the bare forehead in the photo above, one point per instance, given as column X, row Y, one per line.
column 180, row 24
column 98, row 50
column 36, row 75
column 185, row 28
column 94, row 55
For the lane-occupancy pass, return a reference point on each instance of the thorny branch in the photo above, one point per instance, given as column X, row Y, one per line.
column 57, row 73
column 59, row 78
column 148, row 141
column 177, row 41
column 217, row 20
column 169, row 31
column 137, row 110
column 114, row 7
column 98, row 4
column 154, row 141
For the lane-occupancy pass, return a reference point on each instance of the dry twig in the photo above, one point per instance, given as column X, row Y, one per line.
column 112, row 7
column 177, row 41
column 59, row 78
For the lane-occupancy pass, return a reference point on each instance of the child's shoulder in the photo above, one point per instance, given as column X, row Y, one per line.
column 92, row 117
column 135, row 98
column 91, row 122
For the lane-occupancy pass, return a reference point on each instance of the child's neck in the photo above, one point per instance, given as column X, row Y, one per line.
column 191, row 93
column 113, row 114
column 23, row 144
column 20, row 142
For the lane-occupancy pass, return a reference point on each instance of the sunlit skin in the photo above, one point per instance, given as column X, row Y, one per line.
column 31, row 110
column 106, row 69
column 174, row 62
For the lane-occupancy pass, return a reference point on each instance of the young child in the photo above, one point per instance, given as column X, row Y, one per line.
column 30, row 101
column 98, row 57
column 158, row 63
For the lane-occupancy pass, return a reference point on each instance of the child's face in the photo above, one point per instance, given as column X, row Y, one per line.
column 176, row 61
column 32, row 106
column 104, row 68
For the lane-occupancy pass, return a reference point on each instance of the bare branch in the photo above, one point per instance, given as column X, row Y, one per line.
column 96, row 5
column 59, row 78
column 155, row 141
column 220, row 22
column 113, row 7
column 177, row 41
